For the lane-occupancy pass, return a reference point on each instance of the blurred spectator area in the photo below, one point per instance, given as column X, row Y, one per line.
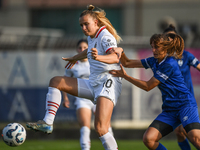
column 72, row 3
column 15, row 38
column 54, row 24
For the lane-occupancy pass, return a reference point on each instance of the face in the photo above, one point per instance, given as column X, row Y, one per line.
column 88, row 25
column 81, row 47
column 158, row 53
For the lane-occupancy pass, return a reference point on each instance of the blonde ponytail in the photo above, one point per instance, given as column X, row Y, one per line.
column 100, row 15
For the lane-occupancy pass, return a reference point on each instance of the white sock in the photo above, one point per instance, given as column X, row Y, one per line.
column 108, row 142
column 85, row 138
column 53, row 100
column 111, row 131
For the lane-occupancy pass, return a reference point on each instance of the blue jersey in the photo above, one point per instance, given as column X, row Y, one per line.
column 175, row 94
column 187, row 60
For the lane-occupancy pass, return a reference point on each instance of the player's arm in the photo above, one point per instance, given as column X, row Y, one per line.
column 130, row 63
column 198, row 67
column 73, row 60
column 65, row 100
column 125, row 61
column 110, row 57
column 145, row 85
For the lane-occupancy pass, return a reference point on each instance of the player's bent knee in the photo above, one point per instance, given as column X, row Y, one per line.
column 55, row 81
column 179, row 132
column 195, row 140
column 148, row 141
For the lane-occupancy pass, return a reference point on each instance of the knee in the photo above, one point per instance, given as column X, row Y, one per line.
column 54, row 82
column 100, row 129
column 194, row 137
column 178, row 132
column 148, row 140
column 195, row 140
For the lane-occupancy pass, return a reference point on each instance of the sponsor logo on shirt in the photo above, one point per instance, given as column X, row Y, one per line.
column 109, row 44
column 162, row 75
column 194, row 61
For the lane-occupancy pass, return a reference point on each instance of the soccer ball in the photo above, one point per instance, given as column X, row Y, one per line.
column 14, row 134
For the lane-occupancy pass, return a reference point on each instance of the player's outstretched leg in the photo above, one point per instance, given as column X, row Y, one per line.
column 53, row 100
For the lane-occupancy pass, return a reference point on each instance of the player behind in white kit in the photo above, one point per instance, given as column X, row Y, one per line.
column 102, row 88
column 84, row 107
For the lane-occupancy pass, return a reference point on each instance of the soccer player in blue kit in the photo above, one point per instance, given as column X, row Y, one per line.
column 184, row 63
column 179, row 105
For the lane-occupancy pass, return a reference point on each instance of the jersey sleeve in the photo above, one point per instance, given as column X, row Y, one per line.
column 147, row 62
column 108, row 42
column 163, row 73
column 68, row 73
column 193, row 61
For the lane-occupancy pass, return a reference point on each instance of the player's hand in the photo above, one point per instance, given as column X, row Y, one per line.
column 118, row 73
column 71, row 62
column 118, row 51
column 66, row 103
column 94, row 53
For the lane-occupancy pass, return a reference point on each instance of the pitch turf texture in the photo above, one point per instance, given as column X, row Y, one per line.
column 74, row 145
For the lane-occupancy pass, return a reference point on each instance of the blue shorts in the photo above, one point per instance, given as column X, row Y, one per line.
column 184, row 116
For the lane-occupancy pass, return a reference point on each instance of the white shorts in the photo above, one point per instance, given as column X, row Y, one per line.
column 84, row 103
column 110, row 89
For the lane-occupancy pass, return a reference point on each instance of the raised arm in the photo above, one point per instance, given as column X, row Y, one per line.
column 73, row 60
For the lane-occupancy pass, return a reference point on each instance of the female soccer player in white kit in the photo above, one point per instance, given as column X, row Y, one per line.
column 101, row 88
column 84, row 107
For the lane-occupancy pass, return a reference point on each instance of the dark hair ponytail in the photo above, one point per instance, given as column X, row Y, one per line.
column 171, row 28
column 80, row 41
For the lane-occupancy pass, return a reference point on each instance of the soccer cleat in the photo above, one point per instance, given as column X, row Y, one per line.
column 40, row 126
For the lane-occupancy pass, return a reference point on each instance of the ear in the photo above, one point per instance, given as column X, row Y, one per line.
column 96, row 22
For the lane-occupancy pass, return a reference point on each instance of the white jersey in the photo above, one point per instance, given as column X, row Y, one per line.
column 103, row 41
column 79, row 70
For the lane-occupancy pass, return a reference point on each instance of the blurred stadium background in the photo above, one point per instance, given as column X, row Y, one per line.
column 35, row 34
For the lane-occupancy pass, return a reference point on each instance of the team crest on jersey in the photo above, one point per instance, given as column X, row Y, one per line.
column 180, row 62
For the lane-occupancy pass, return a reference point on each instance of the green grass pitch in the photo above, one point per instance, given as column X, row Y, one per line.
column 74, row 145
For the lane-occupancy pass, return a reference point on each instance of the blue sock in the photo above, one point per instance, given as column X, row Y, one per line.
column 184, row 145
column 160, row 147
